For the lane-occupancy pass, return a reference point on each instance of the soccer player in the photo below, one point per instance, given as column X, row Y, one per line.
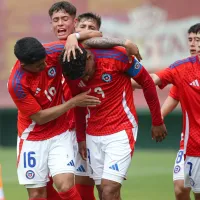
column 44, row 142
column 185, row 75
column 62, row 16
column 170, row 104
column 63, row 19
column 112, row 126
column 88, row 21
column 84, row 184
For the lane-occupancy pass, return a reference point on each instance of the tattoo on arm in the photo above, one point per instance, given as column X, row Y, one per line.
column 104, row 42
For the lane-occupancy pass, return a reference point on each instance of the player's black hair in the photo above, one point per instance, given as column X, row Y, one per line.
column 63, row 5
column 197, row 28
column 29, row 50
column 193, row 28
column 76, row 67
column 90, row 15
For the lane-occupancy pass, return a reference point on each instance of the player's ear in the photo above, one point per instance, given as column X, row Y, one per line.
column 89, row 55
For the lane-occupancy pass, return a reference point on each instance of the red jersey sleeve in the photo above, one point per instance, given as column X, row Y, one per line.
column 174, row 93
column 24, row 101
column 53, row 51
column 166, row 76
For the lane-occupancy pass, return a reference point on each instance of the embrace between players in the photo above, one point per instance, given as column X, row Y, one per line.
column 66, row 93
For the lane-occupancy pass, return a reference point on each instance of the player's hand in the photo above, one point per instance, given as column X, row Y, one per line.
column 70, row 46
column 82, row 149
column 85, row 100
column 159, row 133
column 132, row 50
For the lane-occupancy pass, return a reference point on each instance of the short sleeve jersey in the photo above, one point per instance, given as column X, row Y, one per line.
column 32, row 92
column 185, row 75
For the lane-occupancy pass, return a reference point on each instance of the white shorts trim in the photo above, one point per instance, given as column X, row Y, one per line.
column 178, row 171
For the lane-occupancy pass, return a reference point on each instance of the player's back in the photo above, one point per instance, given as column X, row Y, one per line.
column 110, row 83
column 34, row 92
column 187, row 72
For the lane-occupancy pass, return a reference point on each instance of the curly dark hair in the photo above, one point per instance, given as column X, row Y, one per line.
column 76, row 67
column 29, row 50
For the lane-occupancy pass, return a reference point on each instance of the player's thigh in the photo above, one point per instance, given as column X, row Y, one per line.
column 178, row 172
column 61, row 155
column 118, row 149
column 192, row 173
column 95, row 158
column 32, row 168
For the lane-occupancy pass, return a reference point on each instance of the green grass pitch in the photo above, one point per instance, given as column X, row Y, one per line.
column 149, row 177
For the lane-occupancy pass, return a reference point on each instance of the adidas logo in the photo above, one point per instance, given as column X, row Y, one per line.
column 81, row 169
column 114, row 167
column 81, row 84
column 37, row 91
column 71, row 163
column 195, row 83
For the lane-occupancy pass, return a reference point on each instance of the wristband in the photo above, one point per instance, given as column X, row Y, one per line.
column 77, row 35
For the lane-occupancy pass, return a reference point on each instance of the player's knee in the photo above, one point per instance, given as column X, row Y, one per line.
column 64, row 182
column 110, row 190
column 36, row 193
column 181, row 192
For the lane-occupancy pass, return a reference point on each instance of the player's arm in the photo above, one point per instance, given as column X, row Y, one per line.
column 142, row 77
column 171, row 102
column 28, row 105
column 156, row 79
column 72, row 41
column 108, row 42
column 49, row 114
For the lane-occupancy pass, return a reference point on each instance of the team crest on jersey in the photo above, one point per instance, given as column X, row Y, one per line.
column 177, row 169
column 52, row 72
column 30, row 174
column 106, row 77
column 192, row 183
column 137, row 65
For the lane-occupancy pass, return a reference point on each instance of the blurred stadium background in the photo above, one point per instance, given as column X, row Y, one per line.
column 159, row 27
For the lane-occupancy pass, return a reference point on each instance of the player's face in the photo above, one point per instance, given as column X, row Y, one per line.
column 90, row 68
column 62, row 24
column 86, row 24
column 197, row 42
column 191, row 43
column 36, row 67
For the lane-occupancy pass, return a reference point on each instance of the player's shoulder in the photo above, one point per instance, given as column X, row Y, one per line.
column 183, row 62
column 53, row 47
column 17, row 81
column 116, row 53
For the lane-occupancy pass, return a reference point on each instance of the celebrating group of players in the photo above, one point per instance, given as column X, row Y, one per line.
column 77, row 123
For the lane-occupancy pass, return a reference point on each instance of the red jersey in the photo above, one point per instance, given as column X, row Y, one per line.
column 175, row 95
column 185, row 75
column 32, row 92
column 112, row 84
